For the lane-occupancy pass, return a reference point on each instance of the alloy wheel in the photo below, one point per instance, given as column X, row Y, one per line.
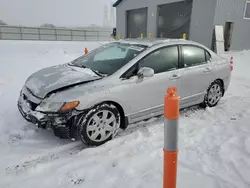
column 214, row 94
column 102, row 125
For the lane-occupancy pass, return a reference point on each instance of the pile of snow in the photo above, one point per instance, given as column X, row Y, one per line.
column 214, row 143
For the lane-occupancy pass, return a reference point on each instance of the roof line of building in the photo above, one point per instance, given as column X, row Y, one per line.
column 117, row 3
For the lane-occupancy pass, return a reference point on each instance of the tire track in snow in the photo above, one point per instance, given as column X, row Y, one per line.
column 45, row 157
column 70, row 149
column 225, row 121
column 133, row 145
column 142, row 130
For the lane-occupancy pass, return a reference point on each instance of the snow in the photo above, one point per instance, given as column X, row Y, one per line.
column 35, row 84
column 214, row 144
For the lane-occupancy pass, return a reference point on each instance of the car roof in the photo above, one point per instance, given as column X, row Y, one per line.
column 155, row 41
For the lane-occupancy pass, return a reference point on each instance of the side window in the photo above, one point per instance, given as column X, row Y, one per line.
column 165, row 59
column 193, row 56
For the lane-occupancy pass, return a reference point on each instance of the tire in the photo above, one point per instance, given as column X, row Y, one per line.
column 214, row 94
column 99, row 125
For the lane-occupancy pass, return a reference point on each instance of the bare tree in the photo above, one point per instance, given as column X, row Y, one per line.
column 47, row 25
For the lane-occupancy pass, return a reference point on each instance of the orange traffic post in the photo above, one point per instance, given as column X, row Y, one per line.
column 171, row 124
column 86, row 51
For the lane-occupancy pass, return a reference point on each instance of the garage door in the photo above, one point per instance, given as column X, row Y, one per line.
column 174, row 19
column 137, row 22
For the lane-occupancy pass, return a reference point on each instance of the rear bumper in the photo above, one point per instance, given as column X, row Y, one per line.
column 226, row 83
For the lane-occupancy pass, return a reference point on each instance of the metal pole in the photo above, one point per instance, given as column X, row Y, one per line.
column 39, row 33
column 85, row 35
column 171, row 123
column 71, row 34
column 55, row 34
column 20, row 30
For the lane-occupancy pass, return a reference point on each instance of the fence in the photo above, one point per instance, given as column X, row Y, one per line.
column 54, row 34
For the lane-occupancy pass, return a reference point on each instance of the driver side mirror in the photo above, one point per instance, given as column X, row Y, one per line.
column 145, row 72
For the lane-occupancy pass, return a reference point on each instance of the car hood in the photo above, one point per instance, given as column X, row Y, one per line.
column 58, row 77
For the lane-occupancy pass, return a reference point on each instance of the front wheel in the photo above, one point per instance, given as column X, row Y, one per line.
column 100, row 125
column 214, row 94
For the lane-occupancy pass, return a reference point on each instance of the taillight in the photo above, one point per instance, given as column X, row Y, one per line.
column 231, row 63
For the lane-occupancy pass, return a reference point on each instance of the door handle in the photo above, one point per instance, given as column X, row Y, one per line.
column 207, row 69
column 175, row 76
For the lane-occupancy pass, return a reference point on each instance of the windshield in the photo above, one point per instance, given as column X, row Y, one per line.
column 109, row 58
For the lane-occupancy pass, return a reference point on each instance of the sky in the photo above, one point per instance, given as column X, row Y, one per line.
column 69, row 13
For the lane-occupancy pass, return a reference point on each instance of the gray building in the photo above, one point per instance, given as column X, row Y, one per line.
column 196, row 18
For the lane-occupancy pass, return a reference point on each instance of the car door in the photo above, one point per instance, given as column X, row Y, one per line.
column 197, row 74
column 146, row 95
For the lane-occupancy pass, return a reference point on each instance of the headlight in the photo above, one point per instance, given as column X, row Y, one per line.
column 69, row 105
column 49, row 107
column 57, row 106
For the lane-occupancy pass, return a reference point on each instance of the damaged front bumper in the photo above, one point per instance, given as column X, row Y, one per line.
column 41, row 119
column 57, row 121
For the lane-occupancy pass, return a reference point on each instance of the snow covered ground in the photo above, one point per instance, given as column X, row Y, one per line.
column 214, row 143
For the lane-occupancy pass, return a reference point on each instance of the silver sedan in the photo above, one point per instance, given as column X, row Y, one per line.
column 121, row 83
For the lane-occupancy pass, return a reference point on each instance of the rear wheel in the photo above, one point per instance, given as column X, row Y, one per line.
column 100, row 125
column 214, row 94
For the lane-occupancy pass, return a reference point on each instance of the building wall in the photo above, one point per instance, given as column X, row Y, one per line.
column 233, row 11
column 135, row 4
column 202, row 21
column 202, row 18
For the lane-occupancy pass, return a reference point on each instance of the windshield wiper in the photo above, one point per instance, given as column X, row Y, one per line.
column 75, row 65
column 96, row 72
column 99, row 74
